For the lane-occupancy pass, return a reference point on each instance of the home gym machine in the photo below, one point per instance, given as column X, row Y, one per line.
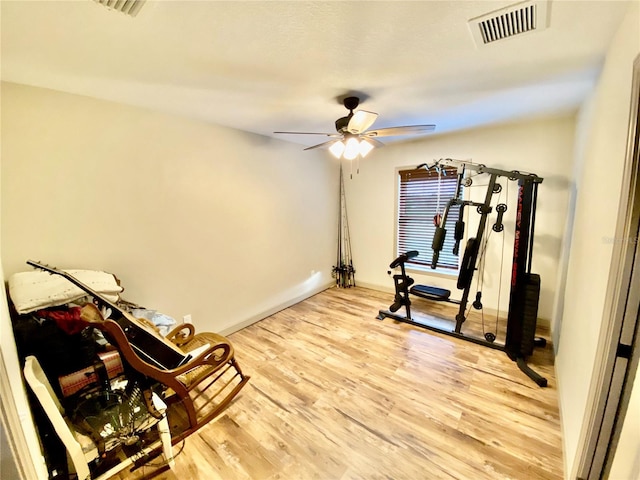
column 525, row 286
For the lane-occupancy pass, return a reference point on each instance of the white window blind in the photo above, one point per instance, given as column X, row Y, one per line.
column 417, row 205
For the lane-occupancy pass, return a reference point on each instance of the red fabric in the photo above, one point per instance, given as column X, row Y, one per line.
column 67, row 319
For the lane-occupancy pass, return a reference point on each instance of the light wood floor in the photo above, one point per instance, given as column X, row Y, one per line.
column 336, row 394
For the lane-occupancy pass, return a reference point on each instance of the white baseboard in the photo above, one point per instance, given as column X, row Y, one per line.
column 261, row 316
column 371, row 286
column 543, row 322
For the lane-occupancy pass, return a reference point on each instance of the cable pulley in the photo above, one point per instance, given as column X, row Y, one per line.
column 498, row 226
column 482, row 209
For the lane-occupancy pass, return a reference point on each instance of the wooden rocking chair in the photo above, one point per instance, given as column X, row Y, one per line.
column 198, row 372
column 196, row 391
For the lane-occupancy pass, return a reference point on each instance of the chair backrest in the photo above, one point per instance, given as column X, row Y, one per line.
column 37, row 379
column 41, row 388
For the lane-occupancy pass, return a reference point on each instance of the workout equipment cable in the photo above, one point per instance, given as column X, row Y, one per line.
column 480, row 278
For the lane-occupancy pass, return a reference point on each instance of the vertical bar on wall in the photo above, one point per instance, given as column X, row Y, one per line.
column 337, row 269
column 343, row 271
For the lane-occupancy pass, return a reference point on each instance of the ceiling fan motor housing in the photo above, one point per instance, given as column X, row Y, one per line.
column 350, row 103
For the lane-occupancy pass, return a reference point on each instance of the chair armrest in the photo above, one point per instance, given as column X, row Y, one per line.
column 178, row 336
column 207, row 357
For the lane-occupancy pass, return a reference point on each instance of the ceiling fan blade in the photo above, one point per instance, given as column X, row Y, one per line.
column 310, row 133
column 323, row 145
column 360, row 121
column 373, row 141
column 394, row 131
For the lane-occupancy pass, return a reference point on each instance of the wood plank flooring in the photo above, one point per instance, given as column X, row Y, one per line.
column 336, row 394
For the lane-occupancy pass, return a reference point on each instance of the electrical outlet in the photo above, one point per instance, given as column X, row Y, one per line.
column 186, row 318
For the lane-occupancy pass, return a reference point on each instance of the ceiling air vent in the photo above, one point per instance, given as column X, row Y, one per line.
column 508, row 22
column 129, row 7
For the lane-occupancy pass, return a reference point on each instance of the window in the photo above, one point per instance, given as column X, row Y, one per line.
column 417, row 205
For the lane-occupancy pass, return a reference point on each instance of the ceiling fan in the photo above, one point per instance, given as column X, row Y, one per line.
column 353, row 138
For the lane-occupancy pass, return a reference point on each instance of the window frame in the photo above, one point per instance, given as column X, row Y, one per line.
column 423, row 263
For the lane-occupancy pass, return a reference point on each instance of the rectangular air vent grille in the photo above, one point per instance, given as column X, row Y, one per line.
column 129, row 7
column 508, row 22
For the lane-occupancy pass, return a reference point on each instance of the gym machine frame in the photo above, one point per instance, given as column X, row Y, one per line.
column 525, row 286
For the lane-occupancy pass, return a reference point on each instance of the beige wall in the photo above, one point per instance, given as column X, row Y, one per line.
column 543, row 147
column 193, row 218
column 601, row 145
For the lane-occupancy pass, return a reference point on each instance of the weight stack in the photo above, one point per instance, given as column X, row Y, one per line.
column 530, row 317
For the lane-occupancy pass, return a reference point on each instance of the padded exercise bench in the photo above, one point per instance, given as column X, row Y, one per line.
column 431, row 293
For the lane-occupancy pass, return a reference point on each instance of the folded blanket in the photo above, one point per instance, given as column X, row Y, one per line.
column 31, row 291
column 164, row 323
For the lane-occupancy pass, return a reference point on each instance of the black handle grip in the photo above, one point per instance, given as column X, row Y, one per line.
column 438, row 239
column 458, row 235
column 434, row 259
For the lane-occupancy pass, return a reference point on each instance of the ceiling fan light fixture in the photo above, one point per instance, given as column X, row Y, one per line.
column 337, row 149
column 352, row 148
column 364, row 148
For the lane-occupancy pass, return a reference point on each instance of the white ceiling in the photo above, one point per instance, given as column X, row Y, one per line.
column 272, row 65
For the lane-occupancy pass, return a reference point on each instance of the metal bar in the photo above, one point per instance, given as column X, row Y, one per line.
column 486, row 209
column 534, row 202
column 513, row 175
column 382, row 314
